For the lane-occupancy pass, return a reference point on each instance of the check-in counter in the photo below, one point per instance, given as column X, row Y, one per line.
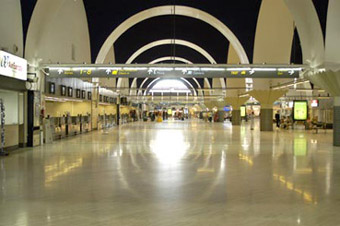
column 85, row 123
column 75, row 125
column 106, row 121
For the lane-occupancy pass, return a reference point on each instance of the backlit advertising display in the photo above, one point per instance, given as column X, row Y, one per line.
column 243, row 111
column 300, row 110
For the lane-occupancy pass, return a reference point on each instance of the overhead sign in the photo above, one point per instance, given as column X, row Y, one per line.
column 300, row 110
column 13, row 66
column 171, row 71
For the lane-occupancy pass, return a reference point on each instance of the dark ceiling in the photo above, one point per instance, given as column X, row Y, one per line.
column 240, row 16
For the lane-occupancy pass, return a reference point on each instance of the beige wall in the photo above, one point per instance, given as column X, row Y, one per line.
column 107, row 109
column 124, row 110
column 57, row 109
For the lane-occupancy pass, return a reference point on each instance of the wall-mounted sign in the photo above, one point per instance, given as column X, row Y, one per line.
column 52, row 88
column 69, row 91
column 13, row 66
column 243, row 111
column 300, row 110
column 315, row 103
column 63, row 90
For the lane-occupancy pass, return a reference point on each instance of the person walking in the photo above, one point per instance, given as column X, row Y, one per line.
column 277, row 119
column 252, row 118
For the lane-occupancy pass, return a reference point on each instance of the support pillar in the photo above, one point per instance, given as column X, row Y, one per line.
column 236, row 118
column 236, row 103
column 336, row 122
column 266, row 119
column 267, row 98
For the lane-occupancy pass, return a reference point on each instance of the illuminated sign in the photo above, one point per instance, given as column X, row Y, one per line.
column 243, row 111
column 300, row 110
column 171, row 71
column 13, row 66
column 315, row 103
column 169, row 111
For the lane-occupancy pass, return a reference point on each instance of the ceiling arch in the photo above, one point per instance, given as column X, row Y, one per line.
column 166, row 42
column 171, row 58
column 169, row 10
column 162, row 59
column 171, row 41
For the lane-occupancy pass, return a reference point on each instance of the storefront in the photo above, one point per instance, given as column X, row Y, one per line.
column 13, row 76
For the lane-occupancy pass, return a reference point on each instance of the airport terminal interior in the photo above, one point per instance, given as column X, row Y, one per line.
column 169, row 112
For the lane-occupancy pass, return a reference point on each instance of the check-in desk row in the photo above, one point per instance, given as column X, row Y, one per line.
column 106, row 121
column 69, row 126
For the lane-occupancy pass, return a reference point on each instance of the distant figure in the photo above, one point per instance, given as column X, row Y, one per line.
column 277, row 119
column 252, row 118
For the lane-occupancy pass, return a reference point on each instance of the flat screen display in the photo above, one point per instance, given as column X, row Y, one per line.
column 78, row 93
column 70, row 91
column 300, row 110
column 63, row 90
column 100, row 98
column 52, row 88
column 83, row 94
column 89, row 95
column 243, row 111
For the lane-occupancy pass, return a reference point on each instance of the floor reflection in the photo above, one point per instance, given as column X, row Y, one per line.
column 187, row 173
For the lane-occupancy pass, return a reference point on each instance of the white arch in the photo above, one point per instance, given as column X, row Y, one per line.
column 171, row 42
column 169, row 10
column 134, row 82
column 310, row 32
column 168, row 58
column 181, row 79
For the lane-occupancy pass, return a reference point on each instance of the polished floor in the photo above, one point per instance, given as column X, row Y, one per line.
column 175, row 173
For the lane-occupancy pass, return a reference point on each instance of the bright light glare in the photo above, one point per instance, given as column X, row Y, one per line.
column 169, row 84
column 169, row 146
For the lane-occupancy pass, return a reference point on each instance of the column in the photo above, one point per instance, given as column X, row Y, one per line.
column 266, row 117
column 266, row 99
column 336, row 122
column 236, row 103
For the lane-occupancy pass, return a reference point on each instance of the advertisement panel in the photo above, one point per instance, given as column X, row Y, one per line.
column 243, row 111
column 13, row 66
column 300, row 110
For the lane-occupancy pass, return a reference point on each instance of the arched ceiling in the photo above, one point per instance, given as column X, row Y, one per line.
column 239, row 16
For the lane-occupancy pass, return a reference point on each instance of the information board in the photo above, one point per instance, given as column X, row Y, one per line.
column 170, row 71
column 300, row 110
